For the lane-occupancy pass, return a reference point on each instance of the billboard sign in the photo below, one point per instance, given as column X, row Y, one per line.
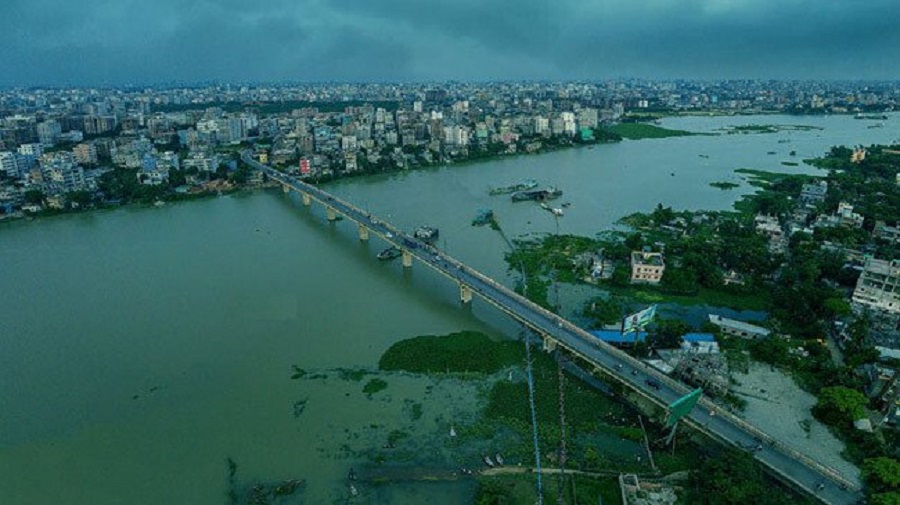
column 682, row 406
column 638, row 320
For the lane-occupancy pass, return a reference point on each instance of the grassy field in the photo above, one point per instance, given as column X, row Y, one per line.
column 635, row 131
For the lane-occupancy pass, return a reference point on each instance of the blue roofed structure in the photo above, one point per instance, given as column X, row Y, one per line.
column 698, row 337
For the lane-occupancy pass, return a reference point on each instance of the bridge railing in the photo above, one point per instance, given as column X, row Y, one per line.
column 589, row 339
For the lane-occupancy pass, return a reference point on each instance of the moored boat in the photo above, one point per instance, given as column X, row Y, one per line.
column 389, row 253
column 488, row 461
column 522, row 186
column 539, row 194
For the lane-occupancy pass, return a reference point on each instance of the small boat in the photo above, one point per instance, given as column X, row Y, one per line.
column 351, row 475
column 452, row 432
column 556, row 211
column 389, row 253
column 566, row 205
column 499, row 458
column 488, row 461
column 353, row 490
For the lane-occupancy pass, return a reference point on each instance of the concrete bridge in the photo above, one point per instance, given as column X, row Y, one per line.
column 818, row 480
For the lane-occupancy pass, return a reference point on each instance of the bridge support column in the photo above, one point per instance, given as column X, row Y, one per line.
column 285, row 188
column 306, row 199
column 407, row 259
column 465, row 293
column 549, row 344
column 330, row 214
column 363, row 232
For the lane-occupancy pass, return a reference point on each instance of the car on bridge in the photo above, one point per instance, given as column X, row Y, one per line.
column 652, row 383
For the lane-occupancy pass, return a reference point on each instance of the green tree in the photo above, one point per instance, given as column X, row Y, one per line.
column 840, row 406
column 885, row 499
column 772, row 350
column 662, row 215
column 680, row 281
column 34, row 196
column 80, row 198
column 882, row 474
column 603, row 311
column 667, row 333
column 731, row 478
column 634, row 241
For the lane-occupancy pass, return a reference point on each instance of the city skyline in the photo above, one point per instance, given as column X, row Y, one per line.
column 94, row 43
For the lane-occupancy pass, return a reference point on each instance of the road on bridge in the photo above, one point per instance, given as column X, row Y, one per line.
column 824, row 483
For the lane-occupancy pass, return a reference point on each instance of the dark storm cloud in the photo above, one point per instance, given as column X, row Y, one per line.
column 104, row 41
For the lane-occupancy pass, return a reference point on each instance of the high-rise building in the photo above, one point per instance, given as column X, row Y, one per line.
column 85, row 154
column 49, row 132
column 9, row 164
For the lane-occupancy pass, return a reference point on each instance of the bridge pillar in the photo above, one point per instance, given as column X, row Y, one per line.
column 363, row 232
column 549, row 344
column 330, row 214
column 465, row 293
column 407, row 259
column 306, row 199
column 285, row 188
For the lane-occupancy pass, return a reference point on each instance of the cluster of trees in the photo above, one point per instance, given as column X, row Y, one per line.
column 733, row 477
column 882, row 476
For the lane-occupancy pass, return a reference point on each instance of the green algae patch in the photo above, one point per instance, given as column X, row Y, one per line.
column 457, row 353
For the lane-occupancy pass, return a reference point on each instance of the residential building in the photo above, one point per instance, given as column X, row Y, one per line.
column 647, row 267
column 9, row 164
column 85, row 154
column 877, row 293
column 888, row 233
column 814, row 192
column 771, row 229
column 738, row 328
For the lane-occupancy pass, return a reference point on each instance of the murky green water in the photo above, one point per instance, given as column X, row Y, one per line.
column 140, row 348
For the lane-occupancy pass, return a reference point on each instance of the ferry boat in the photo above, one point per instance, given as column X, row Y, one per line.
column 522, row 186
column 538, row 194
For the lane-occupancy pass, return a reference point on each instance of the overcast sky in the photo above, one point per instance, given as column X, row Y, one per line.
column 94, row 42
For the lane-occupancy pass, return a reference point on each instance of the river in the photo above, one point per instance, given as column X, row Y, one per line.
column 141, row 347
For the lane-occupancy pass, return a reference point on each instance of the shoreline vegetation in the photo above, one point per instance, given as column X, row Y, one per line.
column 724, row 185
column 603, row 435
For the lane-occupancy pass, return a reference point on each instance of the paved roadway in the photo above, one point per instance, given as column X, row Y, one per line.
column 820, row 481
